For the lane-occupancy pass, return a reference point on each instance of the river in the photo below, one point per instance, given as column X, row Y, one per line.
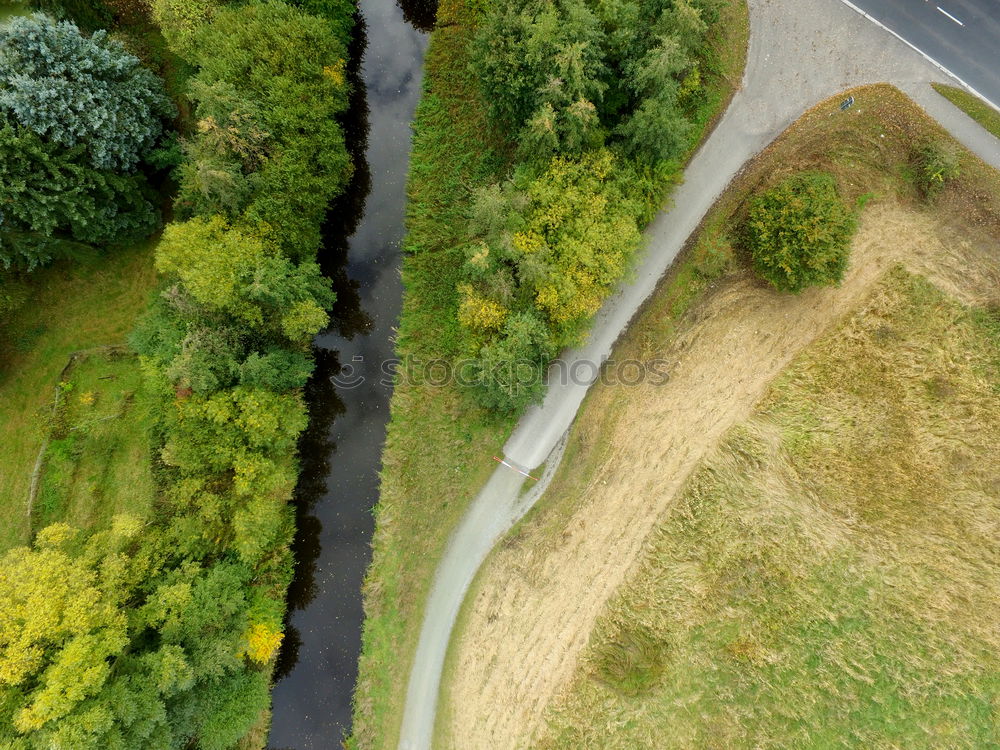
column 341, row 450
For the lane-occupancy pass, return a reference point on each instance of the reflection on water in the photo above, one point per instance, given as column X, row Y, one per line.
column 315, row 449
column 341, row 449
column 419, row 13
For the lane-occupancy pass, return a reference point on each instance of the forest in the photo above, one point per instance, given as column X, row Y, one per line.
column 160, row 631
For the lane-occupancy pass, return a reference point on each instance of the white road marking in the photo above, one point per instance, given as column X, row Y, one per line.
column 950, row 15
column 919, row 51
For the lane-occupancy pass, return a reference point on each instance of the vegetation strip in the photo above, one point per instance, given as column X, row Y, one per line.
column 973, row 106
column 438, row 436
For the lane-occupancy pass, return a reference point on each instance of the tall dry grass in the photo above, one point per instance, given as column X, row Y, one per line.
column 831, row 575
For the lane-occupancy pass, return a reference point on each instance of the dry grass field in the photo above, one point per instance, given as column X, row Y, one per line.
column 829, row 576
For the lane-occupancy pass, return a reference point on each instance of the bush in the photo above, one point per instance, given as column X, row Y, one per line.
column 799, row 233
column 939, row 162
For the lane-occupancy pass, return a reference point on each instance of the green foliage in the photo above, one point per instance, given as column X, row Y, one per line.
column 111, row 642
column 231, row 707
column 76, row 115
column 178, row 20
column 237, row 312
column 547, row 251
column 244, row 277
column 89, row 15
column 340, row 13
column 542, row 71
column 74, row 90
column 603, row 100
column 569, row 75
column 510, row 368
column 799, row 232
column 163, row 634
column 50, row 195
column 269, row 150
column 939, row 163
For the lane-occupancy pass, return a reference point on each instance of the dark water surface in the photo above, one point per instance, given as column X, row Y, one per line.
column 341, row 450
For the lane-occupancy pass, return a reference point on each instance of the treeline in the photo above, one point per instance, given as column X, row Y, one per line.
column 604, row 101
column 161, row 633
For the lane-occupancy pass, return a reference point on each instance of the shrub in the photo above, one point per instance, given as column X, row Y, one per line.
column 939, row 162
column 89, row 15
column 510, row 370
column 799, row 233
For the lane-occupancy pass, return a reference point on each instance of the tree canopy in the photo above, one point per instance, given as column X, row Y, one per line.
column 77, row 90
column 269, row 149
column 602, row 100
column 112, row 642
column 77, row 113
column 50, row 194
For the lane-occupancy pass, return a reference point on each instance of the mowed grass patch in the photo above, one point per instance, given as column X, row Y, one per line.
column 973, row 106
column 830, row 575
column 98, row 461
column 73, row 306
column 440, row 444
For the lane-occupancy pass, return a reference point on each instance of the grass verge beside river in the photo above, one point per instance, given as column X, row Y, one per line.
column 440, row 445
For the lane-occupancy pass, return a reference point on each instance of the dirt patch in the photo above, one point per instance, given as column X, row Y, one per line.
column 536, row 601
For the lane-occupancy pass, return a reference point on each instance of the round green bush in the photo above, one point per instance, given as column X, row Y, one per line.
column 799, row 233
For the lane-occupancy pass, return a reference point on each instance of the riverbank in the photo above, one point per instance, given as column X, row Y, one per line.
column 440, row 444
column 348, row 395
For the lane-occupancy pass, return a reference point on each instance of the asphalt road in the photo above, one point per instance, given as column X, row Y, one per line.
column 962, row 35
column 801, row 52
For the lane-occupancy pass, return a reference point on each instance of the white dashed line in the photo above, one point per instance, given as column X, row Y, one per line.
column 950, row 15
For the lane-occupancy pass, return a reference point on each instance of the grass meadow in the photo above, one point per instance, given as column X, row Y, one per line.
column 829, row 576
column 74, row 305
